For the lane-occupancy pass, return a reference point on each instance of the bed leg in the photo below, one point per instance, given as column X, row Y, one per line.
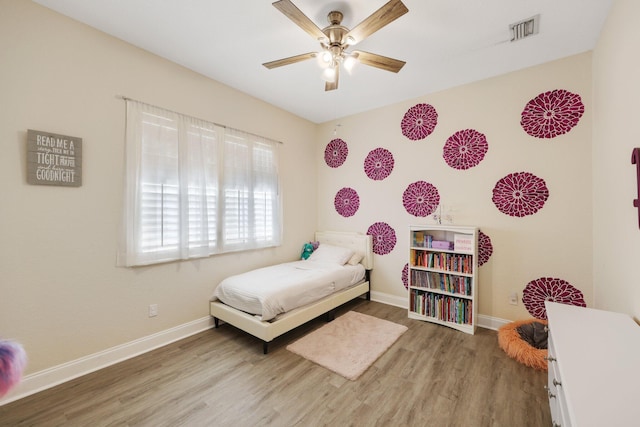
column 330, row 316
column 368, row 296
column 216, row 322
column 265, row 347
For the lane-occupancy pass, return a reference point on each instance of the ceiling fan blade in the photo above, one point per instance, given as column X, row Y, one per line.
column 289, row 60
column 381, row 17
column 300, row 19
column 334, row 84
column 379, row 61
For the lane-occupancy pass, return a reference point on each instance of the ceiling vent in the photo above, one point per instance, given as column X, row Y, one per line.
column 524, row 29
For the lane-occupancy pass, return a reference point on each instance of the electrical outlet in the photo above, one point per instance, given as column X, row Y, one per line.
column 153, row 310
column 513, row 298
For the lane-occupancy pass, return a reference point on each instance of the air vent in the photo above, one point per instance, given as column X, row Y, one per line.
column 524, row 29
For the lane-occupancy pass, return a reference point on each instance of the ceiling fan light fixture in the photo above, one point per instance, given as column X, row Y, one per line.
column 349, row 61
column 335, row 39
column 324, row 59
column 329, row 74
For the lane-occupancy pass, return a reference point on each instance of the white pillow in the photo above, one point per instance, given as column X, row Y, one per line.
column 355, row 258
column 333, row 254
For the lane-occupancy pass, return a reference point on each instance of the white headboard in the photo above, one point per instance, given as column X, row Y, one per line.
column 355, row 241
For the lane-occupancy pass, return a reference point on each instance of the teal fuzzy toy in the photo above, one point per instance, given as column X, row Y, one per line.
column 307, row 250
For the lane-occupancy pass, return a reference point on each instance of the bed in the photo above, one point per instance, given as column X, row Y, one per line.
column 274, row 319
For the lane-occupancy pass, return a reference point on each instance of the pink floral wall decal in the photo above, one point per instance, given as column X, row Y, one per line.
column 347, row 202
column 383, row 236
column 420, row 198
column 552, row 113
column 549, row 289
column 465, row 149
column 520, row 194
column 485, row 248
column 419, row 121
column 405, row 276
column 336, row 153
column 378, row 164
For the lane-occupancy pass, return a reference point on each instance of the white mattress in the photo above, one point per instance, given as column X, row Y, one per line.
column 269, row 291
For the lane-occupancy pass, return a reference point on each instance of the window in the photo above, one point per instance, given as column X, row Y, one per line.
column 194, row 188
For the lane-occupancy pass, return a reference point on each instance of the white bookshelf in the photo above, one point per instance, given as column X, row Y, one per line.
column 443, row 275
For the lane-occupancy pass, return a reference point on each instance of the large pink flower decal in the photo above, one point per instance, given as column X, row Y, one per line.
column 378, row 164
column 485, row 248
column 405, row 276
column 549, row 289
column 465, row 149
column 336, row 153
column 419, row 121
column 552, row 113
column 383, row 236
column 520, row 194
column 347, row 202
column 420, row 198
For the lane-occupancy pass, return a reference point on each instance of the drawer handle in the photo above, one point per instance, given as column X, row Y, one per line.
column 551, row 395
column 556, row 382
column 550, row 358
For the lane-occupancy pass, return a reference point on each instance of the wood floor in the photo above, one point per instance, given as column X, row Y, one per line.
column 432, row 376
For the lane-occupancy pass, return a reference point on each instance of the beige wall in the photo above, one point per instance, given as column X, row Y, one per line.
column 61, row 295
column 554, row 242
column 616, row 235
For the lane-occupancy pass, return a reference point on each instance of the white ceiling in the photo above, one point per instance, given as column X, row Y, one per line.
column 445, row 43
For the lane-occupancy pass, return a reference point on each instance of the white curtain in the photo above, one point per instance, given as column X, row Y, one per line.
column 194, row 188
column 251, row 193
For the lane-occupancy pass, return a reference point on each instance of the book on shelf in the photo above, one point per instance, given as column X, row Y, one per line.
column 444, row 282
column 459, row 263
column 421, row 239
column 442, row 244
column 463, row 242
column 442, row 307
column 418, row 238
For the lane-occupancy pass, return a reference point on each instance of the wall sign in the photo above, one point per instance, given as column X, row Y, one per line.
column 54, row 159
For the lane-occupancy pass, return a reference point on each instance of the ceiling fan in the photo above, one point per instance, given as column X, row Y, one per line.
column 335, row 39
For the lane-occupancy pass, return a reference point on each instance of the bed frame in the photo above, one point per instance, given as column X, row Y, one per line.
column 269, row 330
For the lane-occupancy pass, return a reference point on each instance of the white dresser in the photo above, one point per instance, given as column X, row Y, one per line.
column 594, row 367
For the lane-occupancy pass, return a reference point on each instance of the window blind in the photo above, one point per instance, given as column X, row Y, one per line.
column 195, row 188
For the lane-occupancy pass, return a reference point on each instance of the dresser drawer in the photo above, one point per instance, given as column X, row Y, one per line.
column 557, row 399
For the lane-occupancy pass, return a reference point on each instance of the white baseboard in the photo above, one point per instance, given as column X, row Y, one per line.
column 489, row 322
column 389, row 299
column 55, row 375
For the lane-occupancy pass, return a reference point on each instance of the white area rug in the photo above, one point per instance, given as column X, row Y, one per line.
column 349, row 344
